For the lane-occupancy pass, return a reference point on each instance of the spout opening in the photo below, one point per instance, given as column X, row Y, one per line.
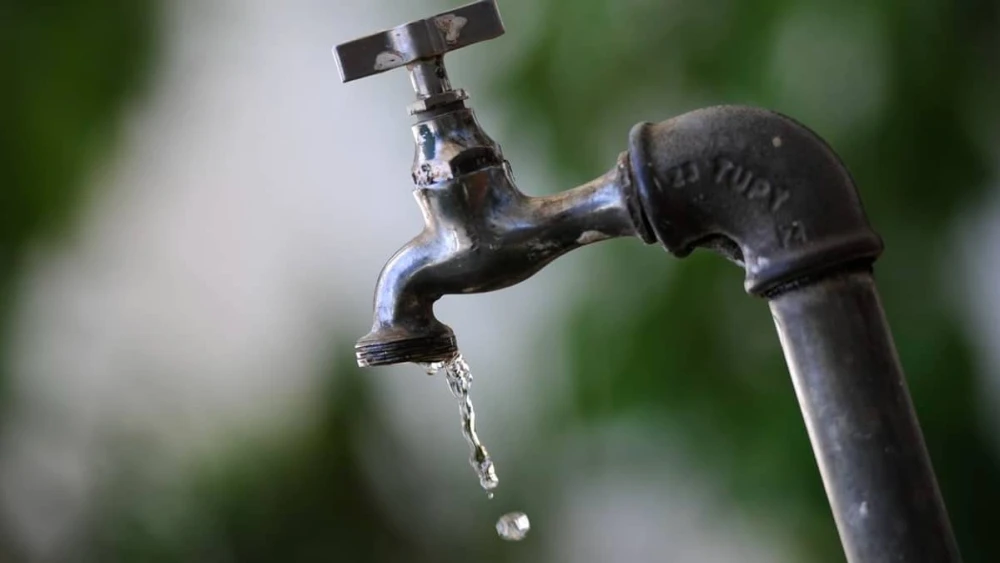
column 374, row 350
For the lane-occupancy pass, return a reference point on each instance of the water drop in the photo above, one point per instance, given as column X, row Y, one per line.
column 432, row 367
column 513, row 526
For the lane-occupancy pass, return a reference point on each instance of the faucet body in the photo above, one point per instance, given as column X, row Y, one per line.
column 753, row 185
column 480, row 234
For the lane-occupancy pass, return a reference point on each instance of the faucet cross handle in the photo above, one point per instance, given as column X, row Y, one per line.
column 420, row 46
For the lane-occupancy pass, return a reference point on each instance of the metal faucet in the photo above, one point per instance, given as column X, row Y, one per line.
column 480, row 232
column 751, row 184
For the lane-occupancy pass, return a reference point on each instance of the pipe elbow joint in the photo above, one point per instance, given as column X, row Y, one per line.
column 759, row 187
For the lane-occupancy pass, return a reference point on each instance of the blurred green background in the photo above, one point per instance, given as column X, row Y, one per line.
column 904, row 91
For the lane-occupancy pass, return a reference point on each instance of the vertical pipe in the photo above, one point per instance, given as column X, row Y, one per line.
column 861, row 423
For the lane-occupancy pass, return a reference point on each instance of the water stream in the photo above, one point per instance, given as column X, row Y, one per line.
column 513, row 525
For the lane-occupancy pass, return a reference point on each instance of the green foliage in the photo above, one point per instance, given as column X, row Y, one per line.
column 696, row 352
column 68, row 67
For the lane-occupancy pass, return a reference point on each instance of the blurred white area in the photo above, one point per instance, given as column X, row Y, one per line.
column 636, row 505
column 240, row 230
column 978, row 293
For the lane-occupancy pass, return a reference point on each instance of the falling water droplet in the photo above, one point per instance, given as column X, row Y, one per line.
column 513, row 526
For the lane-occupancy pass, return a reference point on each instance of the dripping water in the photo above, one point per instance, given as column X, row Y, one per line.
column 459, row 379
column 512, row 526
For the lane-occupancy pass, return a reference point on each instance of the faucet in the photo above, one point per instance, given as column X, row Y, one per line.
column 480, row 232
column 751, row 184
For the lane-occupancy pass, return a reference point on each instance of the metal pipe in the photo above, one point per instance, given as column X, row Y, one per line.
column 861, row 422
column 773, row 197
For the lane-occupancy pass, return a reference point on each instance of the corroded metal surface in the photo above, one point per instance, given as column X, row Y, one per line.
column 861, row 422
column 755, row 184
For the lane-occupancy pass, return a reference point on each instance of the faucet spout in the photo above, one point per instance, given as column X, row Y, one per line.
column 482, row 234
